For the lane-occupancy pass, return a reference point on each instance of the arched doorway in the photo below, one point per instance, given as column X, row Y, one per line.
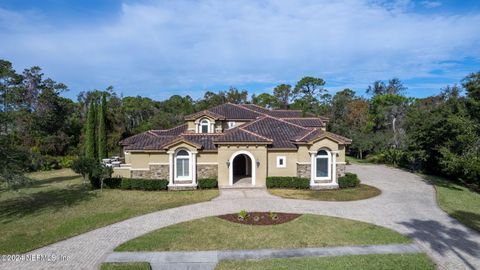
column 242, row 169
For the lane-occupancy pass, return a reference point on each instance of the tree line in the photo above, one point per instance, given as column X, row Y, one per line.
column 40, row 129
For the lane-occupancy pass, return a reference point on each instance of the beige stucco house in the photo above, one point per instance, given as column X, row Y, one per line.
column 240, row 145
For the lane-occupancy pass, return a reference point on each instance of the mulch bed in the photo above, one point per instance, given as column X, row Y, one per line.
column 261, row 218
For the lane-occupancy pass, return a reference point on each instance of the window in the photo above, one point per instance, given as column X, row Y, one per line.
column 281, row 162
column 182, row 164
column 322, row 165
column 204, row 126
column 231, row 125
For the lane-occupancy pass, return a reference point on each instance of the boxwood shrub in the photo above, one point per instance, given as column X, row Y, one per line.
column 140, row 184
column 113, row 182
column 348, row 180
column 288, row 182
column 207, row 183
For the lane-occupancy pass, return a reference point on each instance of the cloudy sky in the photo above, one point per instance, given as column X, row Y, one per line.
column 160, row 48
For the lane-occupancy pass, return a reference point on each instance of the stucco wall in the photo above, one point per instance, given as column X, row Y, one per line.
column 121, row 172
column 291, row 161
column 225, row 152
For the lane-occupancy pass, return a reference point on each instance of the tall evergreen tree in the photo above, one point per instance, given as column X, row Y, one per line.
column 102, row 129
column 90, row 132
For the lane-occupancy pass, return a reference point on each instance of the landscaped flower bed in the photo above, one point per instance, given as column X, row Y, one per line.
column 260, row 218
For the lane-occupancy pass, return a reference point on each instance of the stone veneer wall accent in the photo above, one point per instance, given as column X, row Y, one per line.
column 144, row 174
column 341, row 168
column 207, row 171
column 303, row 170
column 159, row 171
column 155, row 172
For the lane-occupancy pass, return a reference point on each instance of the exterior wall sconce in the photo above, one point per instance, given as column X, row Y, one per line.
column 228, row 163
column 258, row 164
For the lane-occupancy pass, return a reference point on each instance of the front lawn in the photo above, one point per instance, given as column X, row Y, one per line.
column 126, row 266
column 347, row 194
column 357, row 262
column 213, row 233
column 57, row 206
column 458, row 201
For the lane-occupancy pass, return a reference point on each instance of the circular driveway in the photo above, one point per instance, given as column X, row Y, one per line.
column 407, row 204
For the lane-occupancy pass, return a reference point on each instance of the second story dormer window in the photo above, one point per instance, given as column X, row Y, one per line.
column 204, row 126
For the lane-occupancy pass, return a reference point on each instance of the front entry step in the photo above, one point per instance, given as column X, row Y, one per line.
column 244, row 186
column 182, row 187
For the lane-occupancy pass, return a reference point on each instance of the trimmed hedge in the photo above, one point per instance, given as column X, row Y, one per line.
column 137, row 184
column 112, row 182
column 207, row 183
column 288, row 182
column 348, row 181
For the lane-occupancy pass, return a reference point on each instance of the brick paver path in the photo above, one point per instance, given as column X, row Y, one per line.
column 407, row 204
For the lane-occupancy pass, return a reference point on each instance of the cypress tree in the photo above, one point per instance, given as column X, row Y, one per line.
column 102, row 129
column 90, row 132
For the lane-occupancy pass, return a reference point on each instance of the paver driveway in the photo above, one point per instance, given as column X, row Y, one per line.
column 407, row 204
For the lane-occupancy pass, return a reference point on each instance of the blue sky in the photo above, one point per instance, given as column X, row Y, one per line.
column 160, row 48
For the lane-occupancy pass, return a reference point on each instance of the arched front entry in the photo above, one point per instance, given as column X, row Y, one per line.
column 242, row 166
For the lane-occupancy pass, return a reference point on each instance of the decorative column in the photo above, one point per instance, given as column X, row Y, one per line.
column 170, row 167
column 194, row 168
column 334, row 167
column 312, row 167
column 212, row 127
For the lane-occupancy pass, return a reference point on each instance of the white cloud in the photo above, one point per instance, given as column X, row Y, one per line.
column 196, row 44
column 431, row 4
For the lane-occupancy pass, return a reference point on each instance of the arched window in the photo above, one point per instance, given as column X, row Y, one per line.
column 322, row 165
column 182, row 164
column 204, row 126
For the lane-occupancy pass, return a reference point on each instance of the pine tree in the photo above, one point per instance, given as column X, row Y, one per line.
column 102, row 129
column 90, row 132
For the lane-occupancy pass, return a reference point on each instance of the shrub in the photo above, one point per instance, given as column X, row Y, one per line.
column 348, row 181
column 242, row 215
column 288, row 182
column 114, row 182
column 207, row 183
column 143, row 184
column 66, row 161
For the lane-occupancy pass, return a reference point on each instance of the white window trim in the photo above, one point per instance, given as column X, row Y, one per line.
column 231, row 124
column 189, row 176
column 329, row 165
column 284, row 161
column 200, row 125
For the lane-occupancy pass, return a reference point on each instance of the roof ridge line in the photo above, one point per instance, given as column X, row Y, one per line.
column 151, row 133
column 254, row 121
column 201, row 134
column 285, row 121
column 255, row 134
column 245, row 108
column 308, row 133
column 168, row 128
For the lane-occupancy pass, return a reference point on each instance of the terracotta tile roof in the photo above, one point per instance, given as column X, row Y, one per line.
column 306, row 122
column 279, row 131
column 171, row 132
column 228, row 111
column 204, row 113
column 318, row 134
column 283, row 132
column 242, row 135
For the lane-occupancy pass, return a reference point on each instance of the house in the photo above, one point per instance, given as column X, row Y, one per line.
column 240, row 145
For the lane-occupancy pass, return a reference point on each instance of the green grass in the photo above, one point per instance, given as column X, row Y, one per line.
column 357, row 262
column 458, row 201
column 126, row 266
column 213, row 233
column 348, row 194
column 57, row 206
